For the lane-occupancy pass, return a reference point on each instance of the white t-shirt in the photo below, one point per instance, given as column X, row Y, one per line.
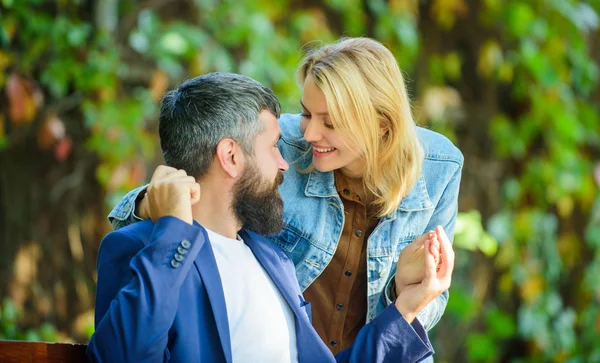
column 261, row 322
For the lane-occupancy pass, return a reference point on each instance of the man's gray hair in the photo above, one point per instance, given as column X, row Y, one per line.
column 204, row 110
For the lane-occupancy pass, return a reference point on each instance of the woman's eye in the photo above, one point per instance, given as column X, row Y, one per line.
column 305, row 115
column 329, row 126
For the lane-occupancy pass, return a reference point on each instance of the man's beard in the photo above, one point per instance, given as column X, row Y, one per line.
column 257, row 203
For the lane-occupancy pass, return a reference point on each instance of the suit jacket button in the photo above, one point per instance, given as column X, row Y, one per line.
column 178, row 257
column 186, row 244
column 182, row 251
column 175, row 264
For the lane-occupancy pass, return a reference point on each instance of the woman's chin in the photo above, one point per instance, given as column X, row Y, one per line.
column 322, row 166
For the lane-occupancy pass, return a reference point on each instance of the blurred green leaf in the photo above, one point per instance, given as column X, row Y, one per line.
column 462, row 305
column 470, row 234
column 481, row 348
column 500, row 323
column 519, row 18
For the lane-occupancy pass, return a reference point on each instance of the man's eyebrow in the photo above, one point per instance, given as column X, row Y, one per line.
column 318, row 113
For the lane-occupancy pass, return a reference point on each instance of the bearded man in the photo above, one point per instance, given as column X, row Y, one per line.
column 198, row 282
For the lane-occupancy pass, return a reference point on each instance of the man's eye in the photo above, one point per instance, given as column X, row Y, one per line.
column 305, row 115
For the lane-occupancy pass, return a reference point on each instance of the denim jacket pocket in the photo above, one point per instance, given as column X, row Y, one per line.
column 401, row 245
column 287, row 239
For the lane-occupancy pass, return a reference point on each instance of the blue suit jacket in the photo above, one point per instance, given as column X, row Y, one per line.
column 159, row 299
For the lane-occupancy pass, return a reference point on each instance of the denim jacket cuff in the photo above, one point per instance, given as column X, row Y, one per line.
column 126, row 207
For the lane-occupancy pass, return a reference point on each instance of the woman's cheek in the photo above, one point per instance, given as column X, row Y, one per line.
column 303, row 123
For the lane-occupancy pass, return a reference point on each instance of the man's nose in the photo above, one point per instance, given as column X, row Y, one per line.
column 283, row 165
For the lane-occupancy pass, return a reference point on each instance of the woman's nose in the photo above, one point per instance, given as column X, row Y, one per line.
column 312, row 133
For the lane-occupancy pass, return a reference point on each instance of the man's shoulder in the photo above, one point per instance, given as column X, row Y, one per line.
column 136, row 233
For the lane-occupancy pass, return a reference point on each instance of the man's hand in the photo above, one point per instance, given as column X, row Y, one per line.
column 438, row 275
column 411, row 263
column 172, row 193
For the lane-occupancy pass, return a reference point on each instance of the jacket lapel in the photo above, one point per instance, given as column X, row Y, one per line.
column 206, row 265
column 273, row 265
column 310, row 347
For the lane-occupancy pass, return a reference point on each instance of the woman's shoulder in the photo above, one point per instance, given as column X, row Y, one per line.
column 438, row 147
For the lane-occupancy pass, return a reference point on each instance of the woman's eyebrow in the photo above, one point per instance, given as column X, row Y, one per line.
column 318, row 113
column 302, row 104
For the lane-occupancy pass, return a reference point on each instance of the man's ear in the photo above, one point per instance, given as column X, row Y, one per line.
column 230, row 157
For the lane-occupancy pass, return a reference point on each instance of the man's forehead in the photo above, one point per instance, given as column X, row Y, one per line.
column 269, row 122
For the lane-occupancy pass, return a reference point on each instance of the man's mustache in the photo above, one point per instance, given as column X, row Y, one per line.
column 279, row 179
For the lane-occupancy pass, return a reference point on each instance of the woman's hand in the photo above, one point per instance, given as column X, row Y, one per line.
column 413, row 298
column 411, row 263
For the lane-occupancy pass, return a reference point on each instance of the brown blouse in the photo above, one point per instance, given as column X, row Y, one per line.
column 339, row 295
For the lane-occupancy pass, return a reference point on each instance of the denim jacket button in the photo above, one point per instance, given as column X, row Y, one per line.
column 358, row 233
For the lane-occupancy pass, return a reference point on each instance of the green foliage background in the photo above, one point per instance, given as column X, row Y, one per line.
column 513, row 83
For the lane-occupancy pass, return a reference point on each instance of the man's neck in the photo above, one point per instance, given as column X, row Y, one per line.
column 214, row 211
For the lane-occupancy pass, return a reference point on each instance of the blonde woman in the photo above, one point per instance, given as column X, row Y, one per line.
column 365, row 182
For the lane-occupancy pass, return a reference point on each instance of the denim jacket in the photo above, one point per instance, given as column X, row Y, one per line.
column 313, row 215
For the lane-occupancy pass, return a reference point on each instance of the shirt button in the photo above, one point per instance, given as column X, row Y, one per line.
column 339, row 306
column 333, row 343
column 346, row 192
column 358, row 233
column 348, row 273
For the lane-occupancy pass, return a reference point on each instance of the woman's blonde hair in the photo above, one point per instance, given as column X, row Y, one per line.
column 367, row 99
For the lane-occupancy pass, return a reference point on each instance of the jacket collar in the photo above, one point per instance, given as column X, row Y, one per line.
column 323, row 185
column 310, row 349
column 272, row 264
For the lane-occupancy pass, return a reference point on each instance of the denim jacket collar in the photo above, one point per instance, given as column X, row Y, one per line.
column 416, row 200
column 320, row 185
column 323, row 185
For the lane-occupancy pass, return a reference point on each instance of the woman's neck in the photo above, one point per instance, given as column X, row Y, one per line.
column 358, row 186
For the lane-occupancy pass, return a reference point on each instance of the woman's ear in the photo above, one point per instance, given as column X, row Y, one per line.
column 383, row 130
column 230, row 157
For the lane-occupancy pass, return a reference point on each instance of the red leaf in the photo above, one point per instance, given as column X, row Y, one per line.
column 63, row 149
column 51, row 131
column 24, row 99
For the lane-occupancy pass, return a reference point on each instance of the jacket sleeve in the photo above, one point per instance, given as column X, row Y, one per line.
column 123, row 214
column 389, row 338
column 138, row 291
column 444, row 215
